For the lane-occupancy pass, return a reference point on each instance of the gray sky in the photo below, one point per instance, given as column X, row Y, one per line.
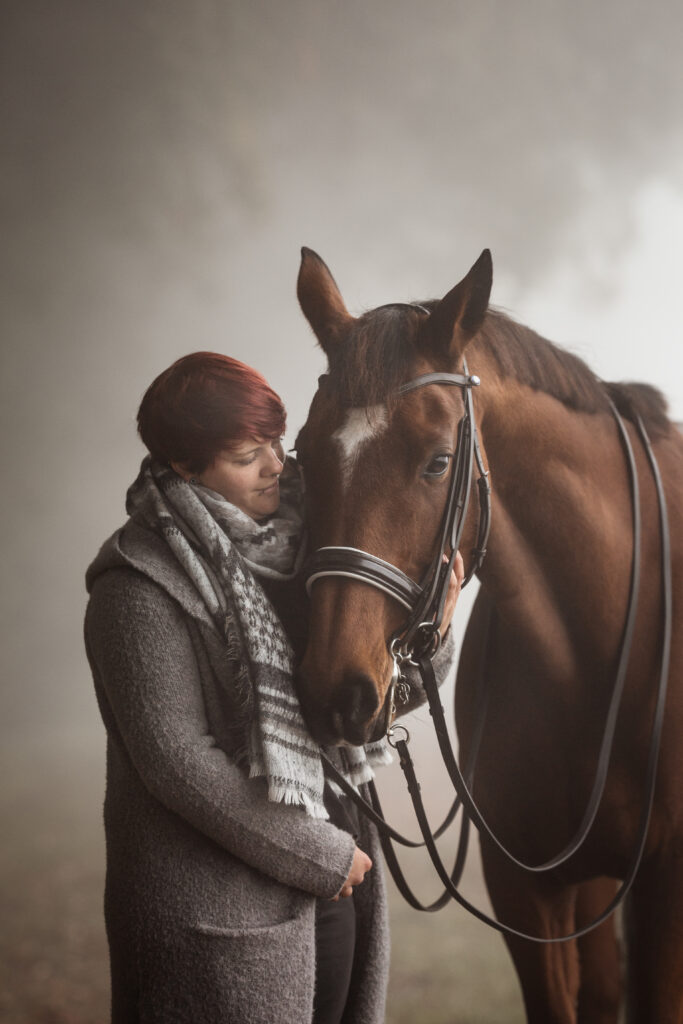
column 163, row 162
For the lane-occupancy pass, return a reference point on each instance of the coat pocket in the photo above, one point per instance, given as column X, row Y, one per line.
column 254, row 975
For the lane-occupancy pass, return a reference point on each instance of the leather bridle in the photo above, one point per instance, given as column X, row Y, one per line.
column 424, row 601
column 418, row 641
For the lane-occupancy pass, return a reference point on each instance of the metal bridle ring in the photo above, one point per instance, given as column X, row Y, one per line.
column 395, row 650
column 435, row 641
column 390, row 736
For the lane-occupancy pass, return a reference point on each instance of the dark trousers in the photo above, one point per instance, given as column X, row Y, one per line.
column 335, row 941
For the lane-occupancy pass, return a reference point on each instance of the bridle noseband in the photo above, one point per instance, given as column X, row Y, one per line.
column 425, row 601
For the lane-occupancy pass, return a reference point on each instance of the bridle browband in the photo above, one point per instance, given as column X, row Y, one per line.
column 425, row 601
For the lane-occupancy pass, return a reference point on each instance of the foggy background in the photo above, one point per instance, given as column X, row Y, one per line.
column 162, row 164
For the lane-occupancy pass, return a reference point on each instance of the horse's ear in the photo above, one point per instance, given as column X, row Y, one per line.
column 460, row 314
column 321, row 300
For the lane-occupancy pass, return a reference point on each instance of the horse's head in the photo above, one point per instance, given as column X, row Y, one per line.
column 377, row 467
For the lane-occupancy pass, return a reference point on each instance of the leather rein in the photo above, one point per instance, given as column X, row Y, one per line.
column 418, row 641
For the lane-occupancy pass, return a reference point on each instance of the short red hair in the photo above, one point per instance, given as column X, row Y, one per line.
column 203, row 404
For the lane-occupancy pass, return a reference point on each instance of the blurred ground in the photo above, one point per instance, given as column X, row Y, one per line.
column 53, row 952
column 53, row 958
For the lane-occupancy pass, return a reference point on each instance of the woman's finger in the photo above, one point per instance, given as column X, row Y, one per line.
column 454, row 588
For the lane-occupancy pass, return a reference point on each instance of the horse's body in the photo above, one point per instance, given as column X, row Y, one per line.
column 549, row 616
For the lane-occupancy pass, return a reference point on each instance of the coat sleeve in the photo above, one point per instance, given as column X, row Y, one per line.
column 148, row 681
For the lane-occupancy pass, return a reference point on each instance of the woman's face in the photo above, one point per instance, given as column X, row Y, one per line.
column 247, row 475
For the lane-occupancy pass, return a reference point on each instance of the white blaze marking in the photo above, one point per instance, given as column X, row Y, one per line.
column 359, row 427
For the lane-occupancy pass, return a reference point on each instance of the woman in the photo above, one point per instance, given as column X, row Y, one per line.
column 239, row 886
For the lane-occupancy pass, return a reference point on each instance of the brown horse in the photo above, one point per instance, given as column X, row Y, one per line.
column 547, row 623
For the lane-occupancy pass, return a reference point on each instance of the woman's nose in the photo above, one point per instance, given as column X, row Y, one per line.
column 274, row 463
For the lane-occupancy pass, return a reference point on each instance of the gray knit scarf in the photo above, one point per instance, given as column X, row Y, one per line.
column 222, row 549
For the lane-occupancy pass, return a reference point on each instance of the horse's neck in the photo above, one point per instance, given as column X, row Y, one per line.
column 559, row 551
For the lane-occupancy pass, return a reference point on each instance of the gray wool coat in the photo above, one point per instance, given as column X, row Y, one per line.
column 210, row 888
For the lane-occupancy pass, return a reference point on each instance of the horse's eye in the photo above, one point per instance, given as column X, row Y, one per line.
column 438, row 465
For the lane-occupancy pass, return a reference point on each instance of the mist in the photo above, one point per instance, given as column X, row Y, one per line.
column 162, row 165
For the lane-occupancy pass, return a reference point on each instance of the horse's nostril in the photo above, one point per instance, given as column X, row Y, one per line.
column 337, row 724
column 355, row 704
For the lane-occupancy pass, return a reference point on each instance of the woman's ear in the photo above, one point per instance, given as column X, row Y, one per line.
column 182, row 471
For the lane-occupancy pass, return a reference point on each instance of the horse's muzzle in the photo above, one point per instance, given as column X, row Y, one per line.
column 348, row 716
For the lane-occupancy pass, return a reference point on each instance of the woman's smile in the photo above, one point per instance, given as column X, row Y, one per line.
column 270, row 490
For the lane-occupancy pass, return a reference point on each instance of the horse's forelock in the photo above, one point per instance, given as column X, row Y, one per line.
column 375, row 357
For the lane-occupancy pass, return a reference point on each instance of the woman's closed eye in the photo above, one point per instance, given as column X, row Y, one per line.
column 246, row 460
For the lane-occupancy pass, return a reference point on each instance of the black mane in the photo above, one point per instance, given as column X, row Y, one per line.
column 521, row 353
column 377, row 357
